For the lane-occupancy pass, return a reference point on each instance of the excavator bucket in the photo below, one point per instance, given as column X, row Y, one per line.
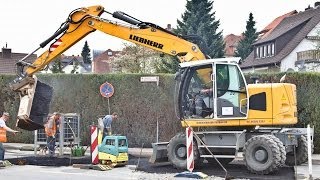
column 159, row 152
column 35, row 98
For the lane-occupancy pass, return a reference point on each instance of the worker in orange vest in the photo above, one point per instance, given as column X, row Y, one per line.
column 51, row 130
column 3, row 133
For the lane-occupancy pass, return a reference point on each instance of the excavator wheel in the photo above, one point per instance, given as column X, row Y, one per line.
column 281, row 148
column 177, row 151
column 262, row 154
column 301, row 152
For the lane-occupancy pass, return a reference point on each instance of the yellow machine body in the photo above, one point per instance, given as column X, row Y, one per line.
column 280, row 103
column 111, row 151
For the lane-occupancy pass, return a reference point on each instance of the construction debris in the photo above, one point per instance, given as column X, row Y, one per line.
column 193, row 175
column 98, row 167
column 5, row 163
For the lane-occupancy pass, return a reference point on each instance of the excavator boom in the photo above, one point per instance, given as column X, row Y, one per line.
column 83, row 21
column 79, row 24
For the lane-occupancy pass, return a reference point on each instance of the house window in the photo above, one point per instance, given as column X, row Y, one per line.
column 264, row 51
column 269, row 50
column 257, row 53
column 272, row 49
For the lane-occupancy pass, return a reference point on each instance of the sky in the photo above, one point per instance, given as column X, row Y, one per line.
column 27, row 23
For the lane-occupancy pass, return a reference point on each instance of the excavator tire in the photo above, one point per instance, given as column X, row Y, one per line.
column 281, row 148
column 261, row 154
column 301, row 152
column 177, row 151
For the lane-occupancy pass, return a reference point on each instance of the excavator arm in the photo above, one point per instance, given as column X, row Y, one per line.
column 79, row 24
column 83, row 21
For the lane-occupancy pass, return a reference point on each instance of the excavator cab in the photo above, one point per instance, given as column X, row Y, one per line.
column 212, row 89
column 209, row 92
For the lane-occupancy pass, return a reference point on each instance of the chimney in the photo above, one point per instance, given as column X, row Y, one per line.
column 307, row 8
column 6, row 52
column 169, row 28
column 316, row 4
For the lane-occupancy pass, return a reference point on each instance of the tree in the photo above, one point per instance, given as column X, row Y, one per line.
column 198, row 19
column 75, row 67
column 245, row 46
column 167, row 64
column 86, row 53
column 136, row 59
column 57, row 66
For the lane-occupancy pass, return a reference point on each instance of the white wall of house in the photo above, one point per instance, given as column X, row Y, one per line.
column 79, row 70
column 249, row 70
column 68, row 69
column 252, row 70
column 305, row 44
column 48, row 71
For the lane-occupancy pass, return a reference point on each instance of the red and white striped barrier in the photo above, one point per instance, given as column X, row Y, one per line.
column 190, row 161
column 94, row 145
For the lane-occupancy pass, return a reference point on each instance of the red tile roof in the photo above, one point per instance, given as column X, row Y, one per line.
column 268, row 29
column 8, row 65
column 231, row 42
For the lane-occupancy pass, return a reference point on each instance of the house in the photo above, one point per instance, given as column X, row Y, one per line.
column 231, row 42
column 8, row 60
column 102, row 61
column 289, row 46
column 72, row 65
column 76, row 64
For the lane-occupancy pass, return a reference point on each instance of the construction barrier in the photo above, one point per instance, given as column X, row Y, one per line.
column 94, row 144
column 190, row 161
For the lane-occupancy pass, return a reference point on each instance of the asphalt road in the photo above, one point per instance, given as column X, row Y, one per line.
column 236, row 170
column 37, row 166
column 62, row 168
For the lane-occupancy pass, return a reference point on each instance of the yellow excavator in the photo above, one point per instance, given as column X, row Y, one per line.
column 212, row 96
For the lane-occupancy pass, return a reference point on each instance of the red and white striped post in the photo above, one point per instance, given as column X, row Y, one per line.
column 94, row 144
column 190, row 162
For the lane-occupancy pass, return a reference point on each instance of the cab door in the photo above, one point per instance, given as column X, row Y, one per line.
column 197, row 92
column 231, row 94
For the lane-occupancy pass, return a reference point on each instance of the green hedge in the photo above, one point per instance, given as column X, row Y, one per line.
column 140, row 105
